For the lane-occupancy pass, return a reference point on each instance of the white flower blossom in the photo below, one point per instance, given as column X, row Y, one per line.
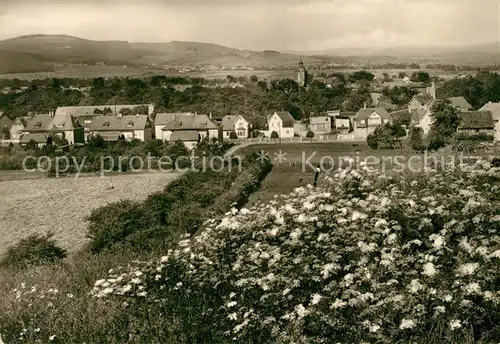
column 468, row 269
column 429, row 269
column 455, row 324
column 407, row 324
column 315, row 299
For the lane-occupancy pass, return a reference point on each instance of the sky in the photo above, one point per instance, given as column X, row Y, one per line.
column 284, row 25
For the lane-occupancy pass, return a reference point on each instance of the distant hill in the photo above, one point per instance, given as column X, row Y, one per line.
column 195, row 53
column 488, row 53
column 42, row 52
column 50, row 49
column 69, row 49
column 21, row 63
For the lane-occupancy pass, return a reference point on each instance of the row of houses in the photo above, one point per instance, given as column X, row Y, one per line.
column 78, row 124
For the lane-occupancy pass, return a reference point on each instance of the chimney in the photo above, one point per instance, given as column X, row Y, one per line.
column 210, row 116
column 364, row 105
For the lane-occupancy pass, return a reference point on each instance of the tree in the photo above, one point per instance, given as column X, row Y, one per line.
column 416, row 138
column 444, row 125
column 125, row 112
column 233, row 135
column 420, row 76
column 397, row 132
column 274, row 135
column 177, row 150
column 381, row 138
column 310, row 134
column 96, row 142
column 386, row 76
column 254, row 78
column 5, row 133
column 402, row 75
column 107, row 110
column 477, row 89
column 31, row 145
column 399, row 95
column 362, row 75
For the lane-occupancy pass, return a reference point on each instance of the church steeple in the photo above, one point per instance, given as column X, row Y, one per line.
column 301, row 74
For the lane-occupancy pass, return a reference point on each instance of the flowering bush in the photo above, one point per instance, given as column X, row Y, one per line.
column 364, row 259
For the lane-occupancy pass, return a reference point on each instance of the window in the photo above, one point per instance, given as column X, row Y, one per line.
column 241, row 133
column 130, row 124
column 105, row 124
column 87, row 121
column 374, row 121
column 37, row 125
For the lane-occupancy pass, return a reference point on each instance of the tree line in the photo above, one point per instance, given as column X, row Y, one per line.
column 255, row 100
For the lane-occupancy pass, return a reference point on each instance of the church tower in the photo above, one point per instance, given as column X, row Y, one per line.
column 301, row 74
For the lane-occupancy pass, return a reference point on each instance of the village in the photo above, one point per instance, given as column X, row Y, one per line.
column 77, row 124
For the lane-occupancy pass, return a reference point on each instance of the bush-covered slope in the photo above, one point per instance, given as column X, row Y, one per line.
column 364, row 259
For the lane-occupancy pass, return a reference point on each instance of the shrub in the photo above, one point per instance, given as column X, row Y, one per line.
column 96, row 142
column 480, row 137
column 233, row 135
column 416, row 138
column 36, row 249
column 114, row 222
column 310, row 134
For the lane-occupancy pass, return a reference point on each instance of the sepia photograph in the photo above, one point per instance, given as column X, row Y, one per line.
column 250, row 171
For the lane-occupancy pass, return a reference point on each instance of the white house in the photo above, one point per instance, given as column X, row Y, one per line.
column 367, row 119
column 202, row 124
column 494, row 108
column 237, row 124
column 111, row 127
column 41, row 126
column 161, row 121
column 16, row 129
column 282, row 123
column 321, row 124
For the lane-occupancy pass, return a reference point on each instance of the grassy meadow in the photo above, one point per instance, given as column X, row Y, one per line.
column 41, row 205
